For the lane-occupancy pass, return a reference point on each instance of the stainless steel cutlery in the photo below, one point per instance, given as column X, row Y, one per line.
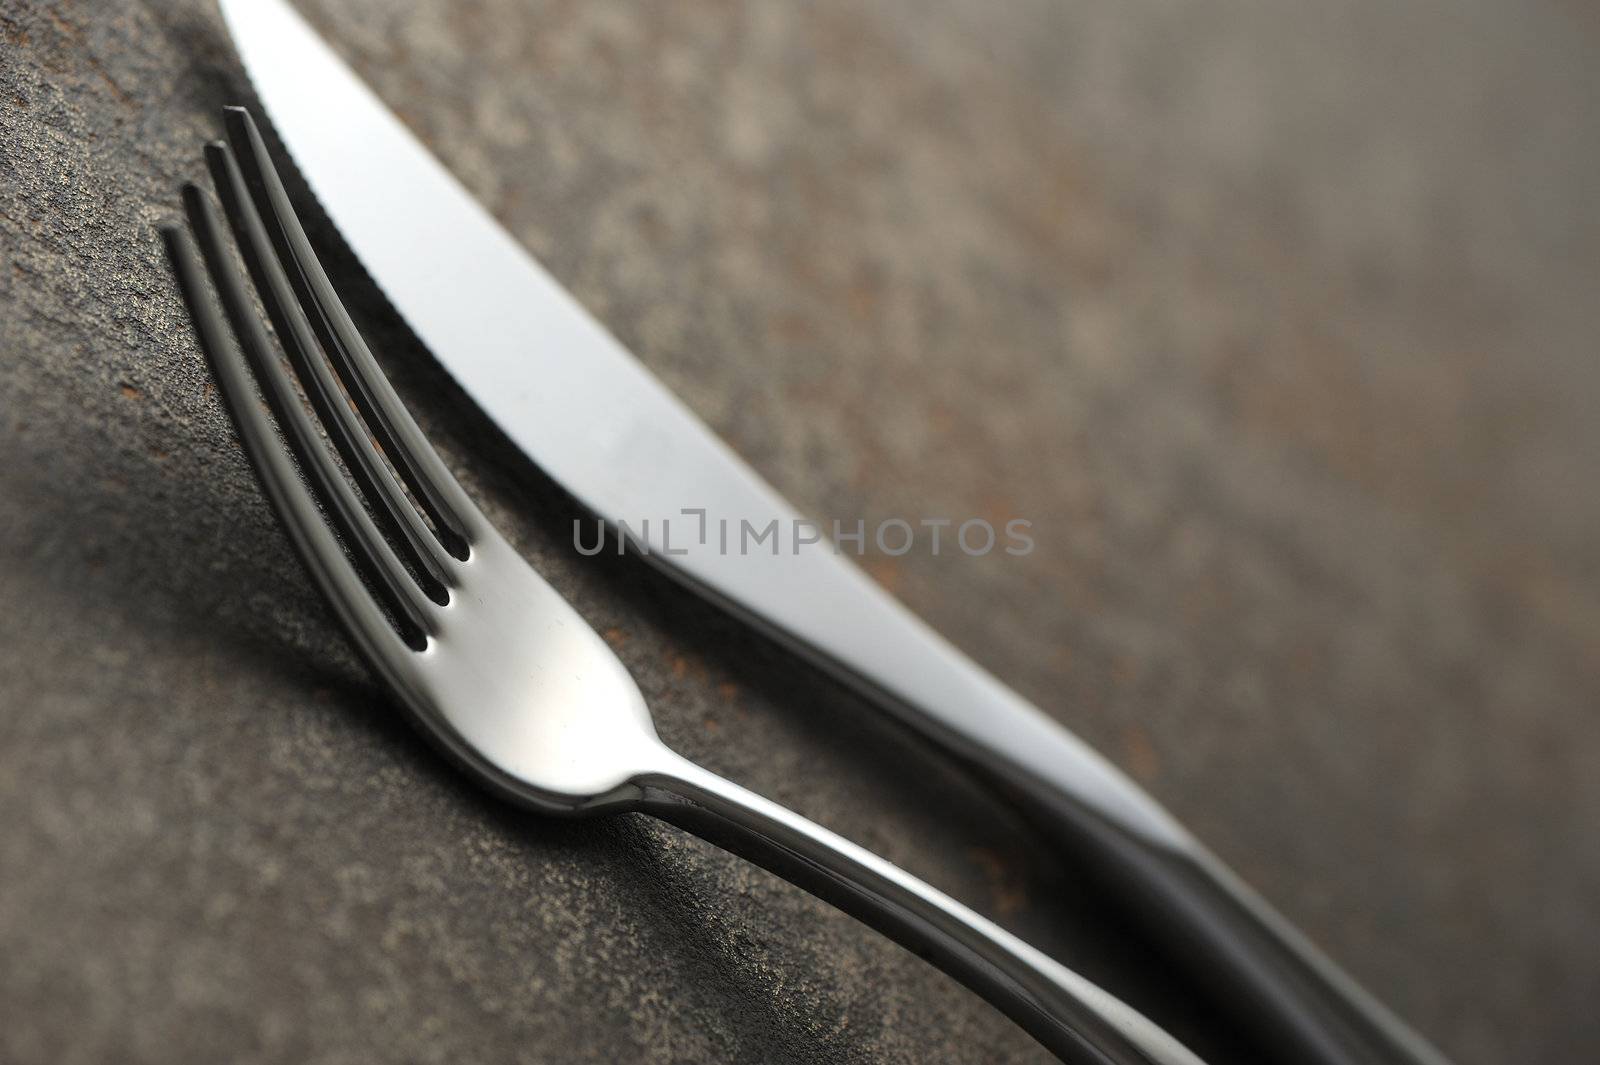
column 491, row 662
column 567, row 393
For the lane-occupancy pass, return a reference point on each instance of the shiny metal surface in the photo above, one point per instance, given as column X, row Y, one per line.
column 492, row 663
column 593, row 418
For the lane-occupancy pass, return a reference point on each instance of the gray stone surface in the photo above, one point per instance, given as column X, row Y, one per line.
column 1276, row 319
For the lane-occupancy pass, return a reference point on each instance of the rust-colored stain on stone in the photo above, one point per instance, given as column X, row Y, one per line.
column 886, row 571
column 1143, row 761
column 1008, row 893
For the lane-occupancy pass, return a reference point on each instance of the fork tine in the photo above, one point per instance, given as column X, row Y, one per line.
column 454, row 515
column 361, row 457
column 412, row 610
column 329, row 567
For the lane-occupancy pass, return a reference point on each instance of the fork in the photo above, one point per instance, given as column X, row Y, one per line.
column 492, row 663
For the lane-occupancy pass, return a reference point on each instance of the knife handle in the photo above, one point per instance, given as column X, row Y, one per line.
column 1264, row 974
column 1073, row 1018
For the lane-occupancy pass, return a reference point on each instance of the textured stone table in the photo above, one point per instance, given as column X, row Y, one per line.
column 1277, row 320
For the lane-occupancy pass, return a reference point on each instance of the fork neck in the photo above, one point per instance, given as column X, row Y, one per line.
column 1070, row 1016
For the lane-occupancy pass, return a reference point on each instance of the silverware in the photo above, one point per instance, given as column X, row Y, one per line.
column 491, row 662
column 597, row 422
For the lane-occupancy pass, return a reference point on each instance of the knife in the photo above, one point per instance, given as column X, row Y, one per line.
column 595, row 420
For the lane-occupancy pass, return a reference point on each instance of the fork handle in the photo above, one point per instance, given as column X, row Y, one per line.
column 1069, row 1015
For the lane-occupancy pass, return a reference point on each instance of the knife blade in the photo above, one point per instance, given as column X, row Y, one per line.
column 594, row 419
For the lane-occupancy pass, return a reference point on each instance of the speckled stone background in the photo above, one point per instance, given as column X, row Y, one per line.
column 1277, row 319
